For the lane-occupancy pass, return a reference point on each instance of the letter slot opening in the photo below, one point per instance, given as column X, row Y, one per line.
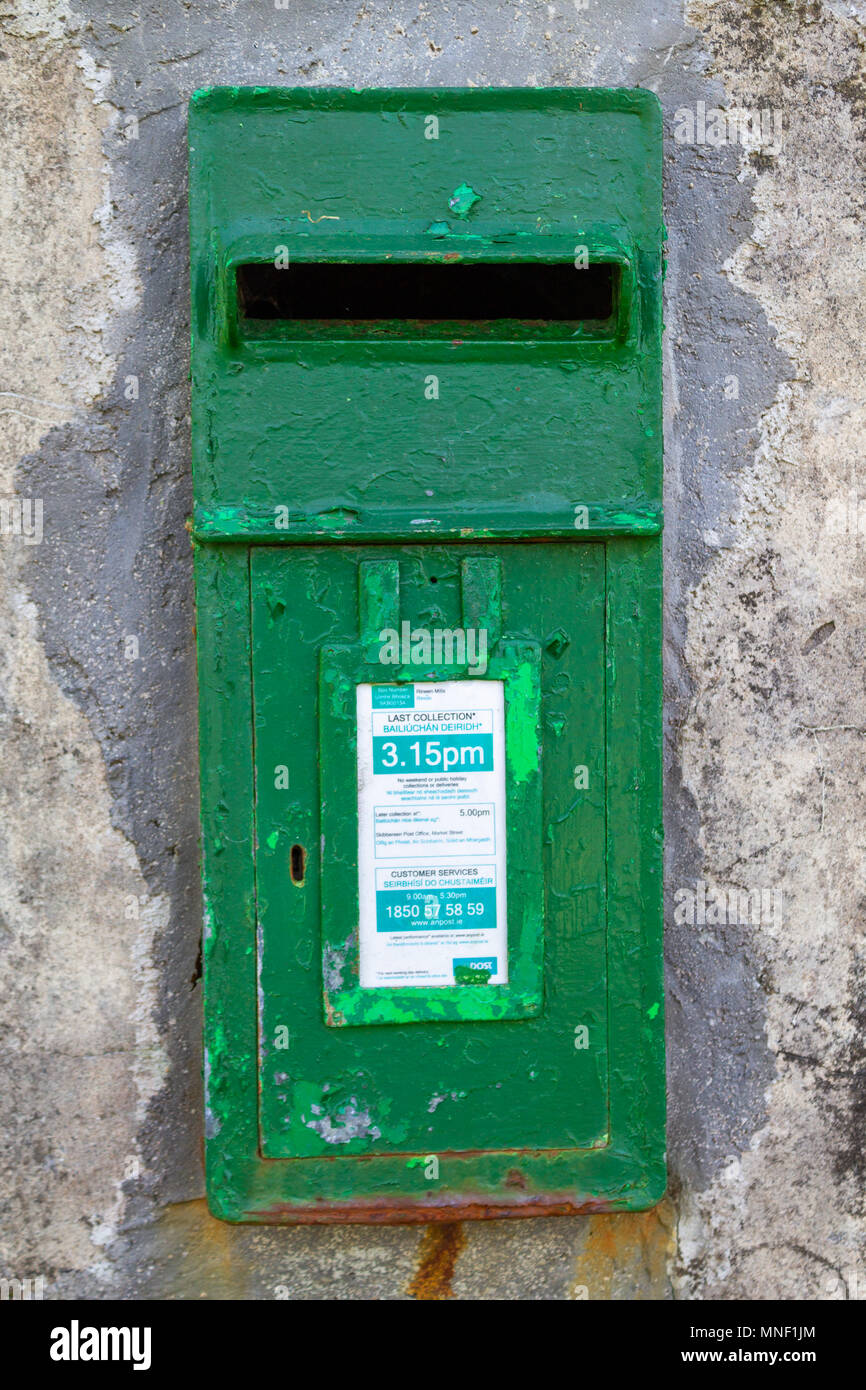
column 469, row 300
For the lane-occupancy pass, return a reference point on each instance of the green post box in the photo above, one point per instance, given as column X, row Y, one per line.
column 426, row 393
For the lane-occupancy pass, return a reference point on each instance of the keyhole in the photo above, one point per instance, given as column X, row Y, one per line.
column 297, row 863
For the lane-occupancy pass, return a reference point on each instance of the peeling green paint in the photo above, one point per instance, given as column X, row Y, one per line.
column 522, row 728
column 463, row 200
column 463, row 975
column 245, row 525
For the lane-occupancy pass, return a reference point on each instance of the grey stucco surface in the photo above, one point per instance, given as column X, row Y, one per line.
column 765, row 1149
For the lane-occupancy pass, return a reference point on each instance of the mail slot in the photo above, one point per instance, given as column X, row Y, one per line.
column 426, row 439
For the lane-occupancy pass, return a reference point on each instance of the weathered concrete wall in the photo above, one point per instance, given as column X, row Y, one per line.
column 99, row 909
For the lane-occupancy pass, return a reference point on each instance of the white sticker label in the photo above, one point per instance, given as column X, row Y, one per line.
column 431, row 834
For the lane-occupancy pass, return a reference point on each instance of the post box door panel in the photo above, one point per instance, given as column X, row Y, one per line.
column 456, row 1067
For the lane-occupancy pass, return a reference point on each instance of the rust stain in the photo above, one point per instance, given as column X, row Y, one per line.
column 514, row 1178
column 385, row 1212
column 200, row 1256
column 440, row 1246
column 638, row 1245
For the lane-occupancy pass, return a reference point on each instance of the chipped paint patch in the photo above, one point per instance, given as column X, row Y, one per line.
column 346, row 1123
column 463, row 200
column 523, row 751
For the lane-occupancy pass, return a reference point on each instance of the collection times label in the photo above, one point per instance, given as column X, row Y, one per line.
column 431, row 834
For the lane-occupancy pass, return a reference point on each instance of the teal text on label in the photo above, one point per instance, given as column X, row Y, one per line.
column 430, row 753
column 432, row 909
column 393, row 697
